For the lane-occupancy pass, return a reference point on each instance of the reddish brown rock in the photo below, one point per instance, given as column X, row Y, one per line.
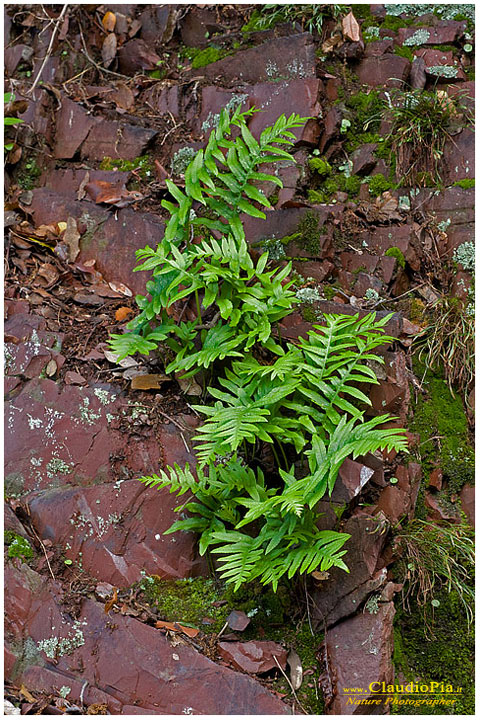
column 136, row 55
column 162, row 99
column 386, row 70
column 256, row 656
column 238, row 620
column 435, row 479
column 364, row 159
column 359, row 652
column 158, row 24
column 279, row 59
column 352, row 477
column 443, row 33
column 459, row 157
column 316, row 270
column 467, row 499
column 398, row 501
column 67, row 181
column 333, row 120
column 342, row 593
column 379, row 47
column 116, row 530
column 128, row 665
column 438, row 510
column 71, row 128
column 198, row 25
column 418, row 76
column 109, row 139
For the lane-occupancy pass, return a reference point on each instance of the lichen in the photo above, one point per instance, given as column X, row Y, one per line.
column 57, row 466
column 419, row 37
column 214, row 118
column 308, row 295
column 447, row 71
column 181, row 160
column 55, row 647
column 465, row 256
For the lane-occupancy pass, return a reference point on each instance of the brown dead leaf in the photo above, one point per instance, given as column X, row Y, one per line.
column 189, row 386
column 49, row 273
column 296, row 670
column 318, row 575
column 26, row 694
column 81, row 187
column 111, row 602
column 122, row 96
column 109, row 21
column 72, row 238
column 151, row 381
column 15, row 155
column 51, row 369
column 177, row 627
column 102, row 191
column 121, row 288
column 97, row 709
column 351, row 28
column 122, row 313
column 109, row 49
column 332, row 42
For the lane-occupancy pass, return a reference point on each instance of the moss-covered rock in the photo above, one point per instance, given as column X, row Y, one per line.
column 18, row 546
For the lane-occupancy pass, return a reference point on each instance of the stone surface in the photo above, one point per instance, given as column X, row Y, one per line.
column 459, row 157
column 109, row 139
column 352, row 477
column 443, row 33
column 385, row 70
column 398, row 501
column 128, row 665
column 136, row 55
column 359, row 652
column 342, row 593
column 238, row 620
column 256, row 656
column 364, row 159
column 467, row 499
column 283, row 58
column 72, row 127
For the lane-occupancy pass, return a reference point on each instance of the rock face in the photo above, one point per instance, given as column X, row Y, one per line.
column 128, row 665
column 341, row 594
column 358, row 652
column 256, row 656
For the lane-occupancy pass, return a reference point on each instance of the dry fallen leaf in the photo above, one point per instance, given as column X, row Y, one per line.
column 26, row 694
column 331, row 43
column 319, row 575
column 296, row 670
column 189, row 386
column 111, row 602
column 72, row 238
column 121, row 288
column 351, row 28
column 109, row 49
column 122, row 313
column 151, row 381
column 109, row 21
column 177, row 627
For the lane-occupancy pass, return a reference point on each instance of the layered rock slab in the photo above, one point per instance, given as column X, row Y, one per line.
column 128, row 665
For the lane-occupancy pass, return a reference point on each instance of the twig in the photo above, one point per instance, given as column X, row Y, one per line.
column 44, row 550
column 222, row 631
column 290, row 684
column 49, row 49
column 82, row 691
column 99, row 67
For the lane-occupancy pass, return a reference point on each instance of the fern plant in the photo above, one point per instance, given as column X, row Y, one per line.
column 302, row 400
column 218, row 272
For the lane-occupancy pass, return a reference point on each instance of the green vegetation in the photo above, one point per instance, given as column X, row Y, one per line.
column 200, row 57
column 288, row 396
column 8, row 121
column 439, row 418
column 143, row 166
column 448, row 658
column 397, row 254
column 434, row 557
column 405, row 52
column 310, row 17
column 465, row 184
column 319, row 165
column 379, row 184
column 29, row 174
column 18, row 546
column 423, row 121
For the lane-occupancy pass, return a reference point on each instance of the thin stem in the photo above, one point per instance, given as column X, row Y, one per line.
column 197, row 302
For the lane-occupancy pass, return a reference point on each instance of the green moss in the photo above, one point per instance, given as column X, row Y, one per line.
column 406, row 52
column 448, row 658
column 441, row 416
column 309, row 314
column 392, row 22
column 309, row 233
column 143, row 165
column 18, row 546
column 329, row 291
column 188, row 600
column 201, row 57
column 320, row 166
column 465, row 184
column 379, row 184
column 396, row 253
column 29, row 174
column 317, row 198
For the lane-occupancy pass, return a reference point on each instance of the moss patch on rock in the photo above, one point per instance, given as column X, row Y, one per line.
column 448, row 657
column 18, row 546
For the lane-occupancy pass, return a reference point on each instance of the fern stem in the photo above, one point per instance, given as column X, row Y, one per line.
column 199, row 312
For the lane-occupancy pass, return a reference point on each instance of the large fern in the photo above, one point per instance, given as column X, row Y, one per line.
column 302, row 398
